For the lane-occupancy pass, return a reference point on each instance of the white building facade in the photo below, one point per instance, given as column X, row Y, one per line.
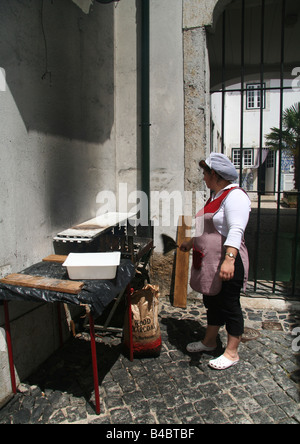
column 254, row 128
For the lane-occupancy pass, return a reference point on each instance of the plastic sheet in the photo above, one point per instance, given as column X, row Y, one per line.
column 96, row 293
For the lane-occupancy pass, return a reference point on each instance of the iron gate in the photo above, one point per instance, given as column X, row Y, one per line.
column 248, row 75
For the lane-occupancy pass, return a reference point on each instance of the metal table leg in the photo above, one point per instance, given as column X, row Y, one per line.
column 9, row 349
column 129, row 293
column 95, row 366
column 59, row 325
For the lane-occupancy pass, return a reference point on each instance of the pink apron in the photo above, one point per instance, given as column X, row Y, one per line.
column 208, row 251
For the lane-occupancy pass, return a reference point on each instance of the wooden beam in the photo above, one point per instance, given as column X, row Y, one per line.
column 58, row 258
column 27, row 280
column 182, row 265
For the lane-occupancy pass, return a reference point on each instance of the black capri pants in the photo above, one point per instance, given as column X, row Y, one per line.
column 225, row 308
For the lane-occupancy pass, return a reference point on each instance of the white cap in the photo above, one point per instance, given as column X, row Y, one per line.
column 221, row 165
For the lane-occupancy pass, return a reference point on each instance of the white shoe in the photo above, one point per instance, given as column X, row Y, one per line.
column 221, row 363
column 197, row 347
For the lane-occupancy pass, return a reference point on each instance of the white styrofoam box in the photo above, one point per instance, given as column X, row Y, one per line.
column 93, row 265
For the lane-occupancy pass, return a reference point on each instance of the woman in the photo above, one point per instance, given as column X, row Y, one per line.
column 220, row 258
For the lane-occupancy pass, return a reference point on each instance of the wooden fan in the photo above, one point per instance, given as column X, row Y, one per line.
column 168, row 243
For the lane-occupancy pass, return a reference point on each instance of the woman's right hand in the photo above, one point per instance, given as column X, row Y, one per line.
column 186, row 245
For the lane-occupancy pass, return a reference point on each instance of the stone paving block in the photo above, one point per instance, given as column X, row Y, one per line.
column 253, row 387
column 157, row 405
column 279, row 397
column 140, row 408
column 121, row 416
column 258, row 362
column 149, row 390
column 215, row 416
column 276, row 413
column 225, row 402
column 185, row 411
column 250, row 405
column 261, row 417
column 270, row 386
column 290, row 408
column 101, row 419
column 57, row 417
column 145, row 419
column 172, row 399
column 133, row 397
column 168, row 416
column 113, row 402
column 22, row 416
column 192, row 395
column 75, row 413
column 210, row 390
column 194, row 420
column 236, row 416
column 296, row 414
column 290, row 365
column 204, row 405
column 293, row 393
column 289, row 421
column 264, row 400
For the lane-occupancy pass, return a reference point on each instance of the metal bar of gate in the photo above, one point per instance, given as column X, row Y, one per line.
column 223, row 82
column 297, row 230
column 259, row 188
column 276, row 246
column 242, row 86
column 264, row 88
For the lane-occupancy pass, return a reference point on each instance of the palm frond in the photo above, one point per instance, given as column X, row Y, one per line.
column 277, row 139
column 287, row 138
column 291, row 119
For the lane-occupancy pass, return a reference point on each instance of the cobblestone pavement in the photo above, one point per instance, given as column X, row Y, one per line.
column 176, row 387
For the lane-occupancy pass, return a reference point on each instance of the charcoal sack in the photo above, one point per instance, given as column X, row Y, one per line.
column 145, row 326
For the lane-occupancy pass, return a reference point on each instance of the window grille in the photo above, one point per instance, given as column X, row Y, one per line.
column 247, row 157
column 270, row 159
column 255, row 94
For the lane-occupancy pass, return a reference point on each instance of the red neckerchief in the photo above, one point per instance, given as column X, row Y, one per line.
column 212, row 206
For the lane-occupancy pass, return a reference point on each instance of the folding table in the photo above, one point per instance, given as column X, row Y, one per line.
column 95, row 294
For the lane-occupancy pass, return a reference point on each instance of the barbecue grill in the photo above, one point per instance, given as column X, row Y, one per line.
column 109, row 232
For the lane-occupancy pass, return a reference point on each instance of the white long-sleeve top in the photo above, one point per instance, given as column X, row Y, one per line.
column 232, row 217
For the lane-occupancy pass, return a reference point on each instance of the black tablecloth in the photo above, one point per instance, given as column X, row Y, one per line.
column 96, row 293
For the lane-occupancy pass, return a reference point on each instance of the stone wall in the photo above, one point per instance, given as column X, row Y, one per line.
column 197, row 15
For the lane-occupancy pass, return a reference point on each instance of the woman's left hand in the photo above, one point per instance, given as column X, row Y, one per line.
column 227, row 269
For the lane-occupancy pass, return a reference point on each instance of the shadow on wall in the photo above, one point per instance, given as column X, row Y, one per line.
column 59, row 65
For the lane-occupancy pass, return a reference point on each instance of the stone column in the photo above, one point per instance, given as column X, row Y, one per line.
column 197, row 15
column 197, row 109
